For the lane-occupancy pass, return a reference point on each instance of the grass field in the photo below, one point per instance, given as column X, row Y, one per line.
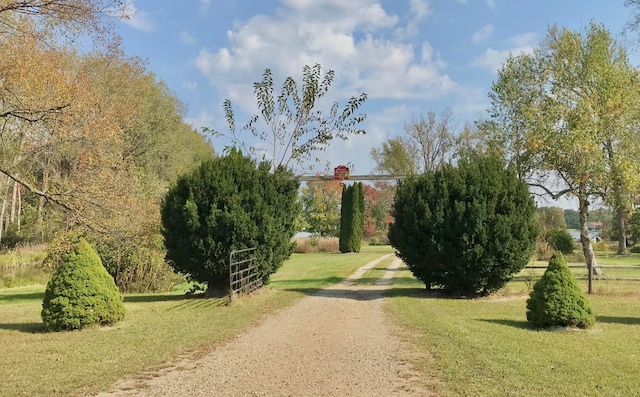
column 157, row 329
column 480, row 347
column 485, row 347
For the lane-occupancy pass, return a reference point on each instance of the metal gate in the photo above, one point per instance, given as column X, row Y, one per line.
column 243, row 275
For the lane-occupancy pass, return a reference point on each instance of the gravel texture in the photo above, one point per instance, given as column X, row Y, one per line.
column 334, row 343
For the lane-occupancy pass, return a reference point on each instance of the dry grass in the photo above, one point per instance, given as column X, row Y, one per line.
column 316, row 244
column 23, row 266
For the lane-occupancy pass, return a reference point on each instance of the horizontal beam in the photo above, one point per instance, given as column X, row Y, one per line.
column 326, row 178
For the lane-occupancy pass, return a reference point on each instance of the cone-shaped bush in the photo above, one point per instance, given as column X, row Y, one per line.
column 556, row 299
column 352, row 218
column 81, row 292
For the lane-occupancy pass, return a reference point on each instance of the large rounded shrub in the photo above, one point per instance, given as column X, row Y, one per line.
column 464, row 229
column 81, row 292
column 556, row 299
column 560, row 240
column 229, row 203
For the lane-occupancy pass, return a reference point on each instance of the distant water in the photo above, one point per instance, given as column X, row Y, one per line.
column 576, row 235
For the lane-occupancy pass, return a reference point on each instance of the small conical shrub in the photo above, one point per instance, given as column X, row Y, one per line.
column 81, row 292
column 556, row 299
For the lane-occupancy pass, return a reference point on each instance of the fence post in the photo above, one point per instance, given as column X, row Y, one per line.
column 230, row 277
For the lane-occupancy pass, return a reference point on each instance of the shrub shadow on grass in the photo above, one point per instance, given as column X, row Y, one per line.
column 423, row 293
column 339, row 293
column 510, row 323
column 351, row 290
column 202, row 302
column 149, row 298
column 27, row 328
column 618, row 320
column 20, row 296
column 320, row 282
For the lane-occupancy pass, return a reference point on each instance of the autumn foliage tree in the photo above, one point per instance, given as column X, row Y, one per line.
column 378, row 200
column 90, row 139
column 321, row 207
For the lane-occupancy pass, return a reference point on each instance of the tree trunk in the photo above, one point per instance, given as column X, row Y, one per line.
column 3, row 219
column 585, row 239
column 621, row 219
column 14, row 200
column 19, row 215
column 40, row 206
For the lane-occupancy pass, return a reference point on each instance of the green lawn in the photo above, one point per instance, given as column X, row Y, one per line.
column 158, row 328
column 485, row 347
column 480, row 347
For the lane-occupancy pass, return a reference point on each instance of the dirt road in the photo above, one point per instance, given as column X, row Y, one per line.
column 334, row 343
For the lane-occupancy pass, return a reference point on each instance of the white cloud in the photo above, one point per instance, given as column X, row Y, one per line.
column 356, row 38
column 491, row 3
column 204, row 6
column 137, row 19
column 187, row 37
column 484, row 33
column 524, row 40
column 420, row 8
column 493, row 59
column 203, row 119
column 190, row 85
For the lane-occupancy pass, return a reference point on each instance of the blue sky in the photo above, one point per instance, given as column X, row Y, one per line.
column 409, row 56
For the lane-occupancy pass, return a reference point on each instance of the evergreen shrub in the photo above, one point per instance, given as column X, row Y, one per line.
column 465, row 229
column 352, row 218
column 81, row 292
column 229, row 203
column 556, row 299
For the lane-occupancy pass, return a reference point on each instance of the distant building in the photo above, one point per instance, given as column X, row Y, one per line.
column 594, row 226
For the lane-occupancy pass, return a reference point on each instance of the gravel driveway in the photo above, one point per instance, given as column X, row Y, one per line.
column 333, row 343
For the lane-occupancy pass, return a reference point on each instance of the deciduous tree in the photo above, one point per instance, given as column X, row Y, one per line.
column 293, row 125
column 321, row 207
column 378, row 201
column 427, row 143
column 551, row 218
column 572, row 219
column 563, row 107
